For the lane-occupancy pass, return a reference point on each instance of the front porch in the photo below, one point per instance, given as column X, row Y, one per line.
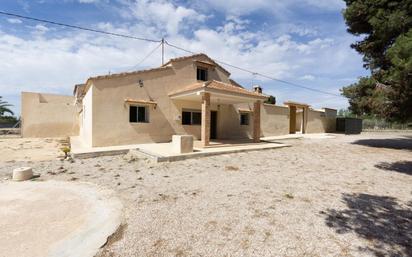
column 219, row 94
column 163, row 152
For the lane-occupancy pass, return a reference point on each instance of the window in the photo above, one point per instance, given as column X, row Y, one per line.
column 202, row 74
column 191, row 117
column 138, row 114
column 186, row 118
column 244, row 119
column 196, row 118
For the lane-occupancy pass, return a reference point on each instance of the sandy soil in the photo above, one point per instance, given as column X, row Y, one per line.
column 14, row 148
column 346, row 196
column 76, row 221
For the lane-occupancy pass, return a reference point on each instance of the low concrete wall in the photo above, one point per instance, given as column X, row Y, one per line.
column 274, row 120
column 48, row 115
column 320, row 121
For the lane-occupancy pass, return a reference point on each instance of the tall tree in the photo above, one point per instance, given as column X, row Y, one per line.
column 4, row 107
column 386, row 30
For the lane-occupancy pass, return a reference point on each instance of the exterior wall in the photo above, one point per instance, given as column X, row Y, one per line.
column 299, row 116
column 86, row 125
column 274, row 120
column 110, row 118
column 48, row 115
column 105, row 115
column 321, row 121
column 229, row 122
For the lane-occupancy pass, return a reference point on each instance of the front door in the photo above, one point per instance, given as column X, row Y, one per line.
column 213, row 124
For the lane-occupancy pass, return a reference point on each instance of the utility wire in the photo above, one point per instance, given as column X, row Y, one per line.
column 147, row 56
column 259, row 74
column 77, row 27
column 161, row 42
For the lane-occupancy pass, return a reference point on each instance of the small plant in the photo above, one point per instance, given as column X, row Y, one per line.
column 288, row 195
column 233, row 168
column 66, row 151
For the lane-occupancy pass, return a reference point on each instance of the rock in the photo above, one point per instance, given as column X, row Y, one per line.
column 23, row 173
column 69, row 159
column 133, row 155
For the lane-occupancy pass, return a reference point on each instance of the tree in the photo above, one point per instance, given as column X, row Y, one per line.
column 270, row 100
column 386, row 27
column 346, row 113
column 4, row 107
column 399, row 77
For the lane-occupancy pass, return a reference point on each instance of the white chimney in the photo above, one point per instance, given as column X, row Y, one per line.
column 257, row 89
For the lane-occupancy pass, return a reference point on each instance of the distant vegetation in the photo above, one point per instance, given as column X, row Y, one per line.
column 385, row 31
column 4, row 109
column 270, row 100
column 373, row 122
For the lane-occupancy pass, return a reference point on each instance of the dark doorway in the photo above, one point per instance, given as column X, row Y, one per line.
column 213, row 124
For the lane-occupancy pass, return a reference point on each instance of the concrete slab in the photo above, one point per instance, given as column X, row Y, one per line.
column 298, row 136
column 162, row 152
column 56, row 218
column 80, row 151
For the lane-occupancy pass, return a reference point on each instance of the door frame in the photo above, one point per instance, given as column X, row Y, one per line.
column 213, row 124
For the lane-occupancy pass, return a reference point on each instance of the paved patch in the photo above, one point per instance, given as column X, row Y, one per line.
column 55, row 218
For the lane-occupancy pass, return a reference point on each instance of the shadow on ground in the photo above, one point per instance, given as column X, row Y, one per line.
column 401, row 166
column 401, row 143
column 386, row 224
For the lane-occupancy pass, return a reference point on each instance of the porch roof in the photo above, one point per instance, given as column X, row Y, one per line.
column 292, row 103
column 217, row 88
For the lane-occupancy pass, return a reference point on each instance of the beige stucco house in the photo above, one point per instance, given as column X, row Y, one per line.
column 187, row 95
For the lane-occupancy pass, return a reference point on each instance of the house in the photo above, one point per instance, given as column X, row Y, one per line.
column 187, row 95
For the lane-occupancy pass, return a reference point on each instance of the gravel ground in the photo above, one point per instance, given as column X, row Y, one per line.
column 346, row 196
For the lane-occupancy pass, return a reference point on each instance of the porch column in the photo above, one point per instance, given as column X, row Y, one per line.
column 305, row 119
column 205, row 128
column 256, row 122
column 292, row 119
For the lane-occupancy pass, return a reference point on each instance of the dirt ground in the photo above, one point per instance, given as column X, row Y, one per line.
column 345, row 196
column 14, row 148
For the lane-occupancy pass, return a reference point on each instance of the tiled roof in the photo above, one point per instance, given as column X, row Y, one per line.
column 115, row 75
column 218, row 85
column 182, row 58
column 234, row 83
column 193, row 57
column 296, row 104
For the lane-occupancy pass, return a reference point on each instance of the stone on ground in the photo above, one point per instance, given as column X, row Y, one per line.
column 23, row 173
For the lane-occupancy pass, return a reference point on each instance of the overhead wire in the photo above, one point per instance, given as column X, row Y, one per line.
column 147, row 56
column 77, row 27
column 254, row 73
column 169, row 44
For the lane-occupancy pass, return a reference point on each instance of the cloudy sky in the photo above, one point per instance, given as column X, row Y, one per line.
column 301, row 41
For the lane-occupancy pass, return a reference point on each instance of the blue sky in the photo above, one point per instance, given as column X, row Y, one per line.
column 301, row 41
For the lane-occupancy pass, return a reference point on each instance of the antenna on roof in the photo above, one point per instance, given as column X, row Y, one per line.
column 163, row 51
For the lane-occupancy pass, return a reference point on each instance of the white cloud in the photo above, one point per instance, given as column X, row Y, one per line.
column 89, row 1
column 57, row 63
column 40, row 30
column 14, row 21
column 164, row 15
column 307, row 77
column 279, row 7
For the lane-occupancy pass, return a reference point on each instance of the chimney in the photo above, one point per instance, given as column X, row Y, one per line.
column 257, row 89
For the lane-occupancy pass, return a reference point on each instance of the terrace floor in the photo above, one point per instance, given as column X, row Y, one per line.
column 161, row 152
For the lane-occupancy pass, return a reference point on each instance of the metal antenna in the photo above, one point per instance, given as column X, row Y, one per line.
column 163, row 51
